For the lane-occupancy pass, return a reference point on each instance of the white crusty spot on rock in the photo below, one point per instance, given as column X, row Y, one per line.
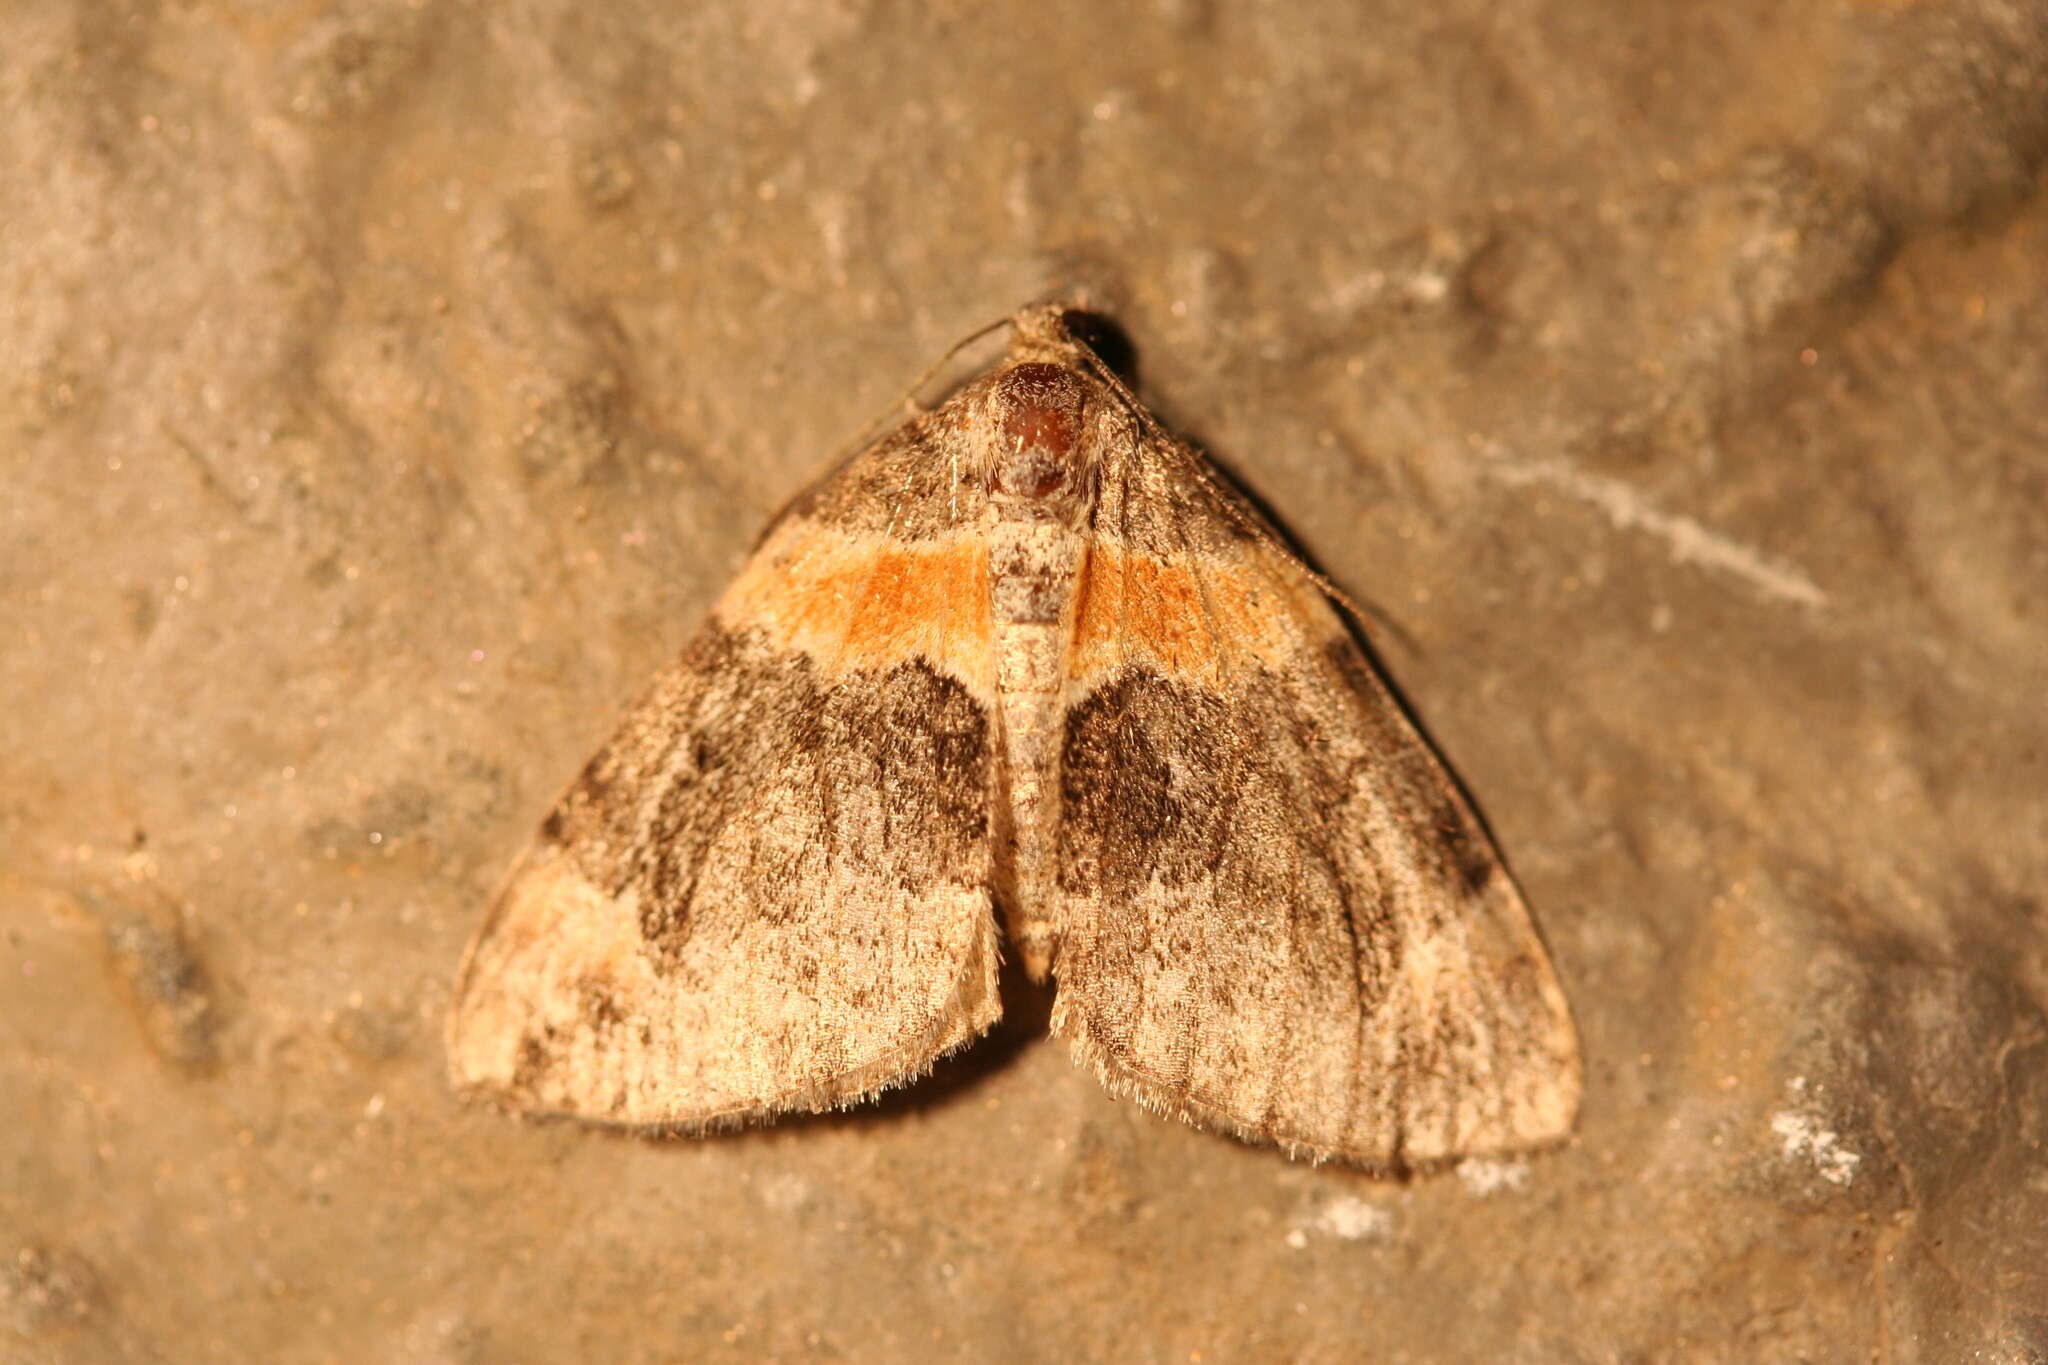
column 1484, row 1175
column 785, row 1192
column 1353, row 1219
column 1802, row 1137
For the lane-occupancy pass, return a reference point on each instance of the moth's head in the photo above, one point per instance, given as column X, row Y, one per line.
column 1076, row 334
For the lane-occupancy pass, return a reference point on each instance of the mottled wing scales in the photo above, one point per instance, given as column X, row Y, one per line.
column 770, row 891
column 1280, row 918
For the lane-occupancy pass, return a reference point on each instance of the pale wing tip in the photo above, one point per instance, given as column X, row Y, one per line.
column 516, row 1041
column 1537, row 1093
column 1541, row 1116
column 669, row 1114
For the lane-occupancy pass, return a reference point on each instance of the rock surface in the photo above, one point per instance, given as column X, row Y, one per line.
column 389, row 385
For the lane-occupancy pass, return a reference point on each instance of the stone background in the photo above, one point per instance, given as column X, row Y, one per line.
column 387, row 388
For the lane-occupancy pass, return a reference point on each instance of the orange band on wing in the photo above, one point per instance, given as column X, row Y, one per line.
column 1186, row 616
column 856, row 602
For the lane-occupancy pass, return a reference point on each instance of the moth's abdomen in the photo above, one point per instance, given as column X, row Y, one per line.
column 1041, row 484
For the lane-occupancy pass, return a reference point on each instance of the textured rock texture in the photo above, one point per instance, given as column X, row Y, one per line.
column 388, row 386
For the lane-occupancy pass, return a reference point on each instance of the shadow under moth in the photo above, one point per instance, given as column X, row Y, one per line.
column 1024, row 671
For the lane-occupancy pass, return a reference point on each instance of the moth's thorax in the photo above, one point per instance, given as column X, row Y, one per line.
column 1039, row 422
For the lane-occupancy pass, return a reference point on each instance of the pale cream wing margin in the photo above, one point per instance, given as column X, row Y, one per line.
column 770, row 890
column 1280, row 919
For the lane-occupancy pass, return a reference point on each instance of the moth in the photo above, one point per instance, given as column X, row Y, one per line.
column 1024, row 674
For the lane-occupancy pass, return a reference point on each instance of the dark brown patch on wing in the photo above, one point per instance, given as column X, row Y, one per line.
column 909, row 740
column 931, row 747
column 1172, row 786
column 1138, row 764
column 535, row 1057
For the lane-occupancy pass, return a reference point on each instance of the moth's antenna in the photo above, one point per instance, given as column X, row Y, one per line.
column 955, row 349
column 905, row 406
column 908, row 404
